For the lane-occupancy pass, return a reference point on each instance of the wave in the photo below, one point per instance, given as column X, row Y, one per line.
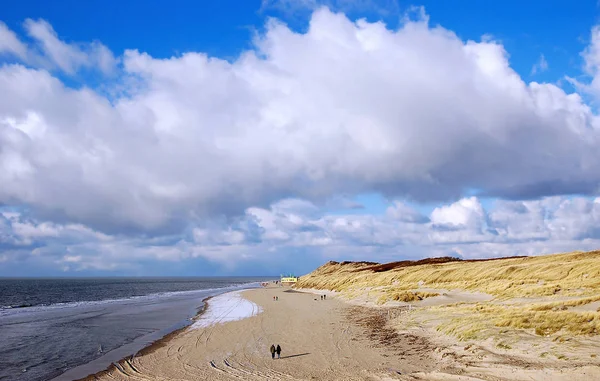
column 26, row 307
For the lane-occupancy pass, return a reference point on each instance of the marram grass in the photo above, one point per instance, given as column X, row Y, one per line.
column 531, row 293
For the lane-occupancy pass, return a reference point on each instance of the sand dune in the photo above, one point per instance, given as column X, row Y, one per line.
column 530, row 318
column 538, row 293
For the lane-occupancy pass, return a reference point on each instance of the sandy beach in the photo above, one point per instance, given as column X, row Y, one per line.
column 321, row 340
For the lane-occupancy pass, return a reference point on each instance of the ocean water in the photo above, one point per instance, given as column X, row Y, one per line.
column 64, row 329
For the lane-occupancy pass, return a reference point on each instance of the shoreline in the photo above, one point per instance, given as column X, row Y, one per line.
column 160, row 342
column 150, row 347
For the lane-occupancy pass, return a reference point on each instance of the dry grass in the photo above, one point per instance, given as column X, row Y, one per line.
column 471, row 322
column 575, row 274
column 551, row 285
column 405, row 296
column 561, row 306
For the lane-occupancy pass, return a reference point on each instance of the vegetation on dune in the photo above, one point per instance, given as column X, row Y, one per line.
column 405, row 296
column 535, row 293
column 470, row 322
column 572, row 274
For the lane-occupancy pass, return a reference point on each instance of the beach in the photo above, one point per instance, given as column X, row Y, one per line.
column 317, row 337
column 321, row 340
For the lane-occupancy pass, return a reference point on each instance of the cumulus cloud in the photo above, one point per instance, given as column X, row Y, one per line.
column 194, row 157
column 507, row 228
column 275, row 235
column 346, row 107
column 464, row 213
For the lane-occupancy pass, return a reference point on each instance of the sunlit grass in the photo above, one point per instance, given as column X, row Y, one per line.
column 470, row 320
column 404, row 296
column 565, row 274
column 529, row 293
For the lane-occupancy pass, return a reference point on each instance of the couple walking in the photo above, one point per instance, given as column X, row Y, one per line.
column 275, row 350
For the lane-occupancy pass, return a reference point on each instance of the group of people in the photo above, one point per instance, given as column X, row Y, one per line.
column 275, row 350
column 276, row 298
column 323, row 297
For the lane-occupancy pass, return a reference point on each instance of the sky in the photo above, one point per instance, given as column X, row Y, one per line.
column 149, row 138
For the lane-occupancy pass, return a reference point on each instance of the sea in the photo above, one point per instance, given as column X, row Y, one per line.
column 66, row 329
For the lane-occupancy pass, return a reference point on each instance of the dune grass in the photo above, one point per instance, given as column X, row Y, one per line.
column 405, row 296
column 572, row 274
column 541, row 290
column 471, row 322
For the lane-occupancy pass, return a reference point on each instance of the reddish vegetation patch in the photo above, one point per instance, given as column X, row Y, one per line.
column 359, row 263
column 399, row 264
column 379, row 267
column 495, row 259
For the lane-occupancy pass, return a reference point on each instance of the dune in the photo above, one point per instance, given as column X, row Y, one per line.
column 538, row 316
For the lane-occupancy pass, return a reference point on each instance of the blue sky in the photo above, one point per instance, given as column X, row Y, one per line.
column 556, row 29
column 260, row 137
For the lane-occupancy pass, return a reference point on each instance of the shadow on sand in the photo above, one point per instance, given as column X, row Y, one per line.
column 298, row 355
column 295, row 292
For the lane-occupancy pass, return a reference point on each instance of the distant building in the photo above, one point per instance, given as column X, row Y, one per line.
column 288, row 280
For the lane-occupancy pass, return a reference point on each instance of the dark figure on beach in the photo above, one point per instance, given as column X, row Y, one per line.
column 324, row 297
column 277, row 298
column 278, row 350
column 273, row 351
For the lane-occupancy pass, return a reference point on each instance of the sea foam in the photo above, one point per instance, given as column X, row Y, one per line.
column 226, row 307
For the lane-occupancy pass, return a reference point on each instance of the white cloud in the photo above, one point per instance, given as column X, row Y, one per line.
column 65, row 56
column 344, row 108
column 467, row 212
column 591, row 57
column 591, row 54
column 540, row 66
column 49, row 51
column 273, row 235
column 10, row 43
column 402, row 212
column 242, row 156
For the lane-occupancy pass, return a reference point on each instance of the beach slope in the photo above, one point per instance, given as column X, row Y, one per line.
column 320, row 340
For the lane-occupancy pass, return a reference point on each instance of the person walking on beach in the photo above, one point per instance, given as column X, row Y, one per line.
column 278, row 350
column 273, row 351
